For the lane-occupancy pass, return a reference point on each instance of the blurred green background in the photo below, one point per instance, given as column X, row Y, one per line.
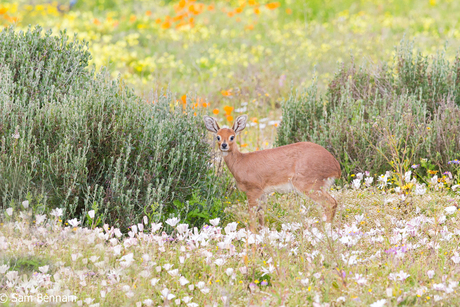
column 246, row 54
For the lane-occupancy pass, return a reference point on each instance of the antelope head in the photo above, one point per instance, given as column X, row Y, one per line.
column 226, row 138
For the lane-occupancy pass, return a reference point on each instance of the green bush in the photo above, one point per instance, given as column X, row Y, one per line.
column 93, row 144
column 373, row 117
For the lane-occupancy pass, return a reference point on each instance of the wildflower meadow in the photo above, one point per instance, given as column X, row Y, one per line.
column 113, row 193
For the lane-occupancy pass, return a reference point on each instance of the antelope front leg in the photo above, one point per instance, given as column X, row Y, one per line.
column 255, row 209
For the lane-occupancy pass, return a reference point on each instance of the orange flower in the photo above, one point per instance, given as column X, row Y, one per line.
column 254, row 120
column 249, row 27
column 211, row 7
column 288, row 11
column 229, row 118
column 182, row 4
column 244, row 145
column 256, row 11
column 252, row 2
column 226, row 93
column 3, row 10
column 148, row 13
column 178, row 17
column 180, row 24
column 194, row 114
column 166, row 25
column 228, row 110
column 239, row 10
column 273, row 5
column 205, row 105
column 276, row 124
column 158, row 20
column 132, row 18
column 96, row 21
column 215, row 111
column 231, row 14
column 184, row 99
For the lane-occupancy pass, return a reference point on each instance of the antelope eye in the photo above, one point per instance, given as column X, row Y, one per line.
column 232, row 138
column 218, row 138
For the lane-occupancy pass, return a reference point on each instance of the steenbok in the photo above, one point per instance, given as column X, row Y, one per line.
column 305, row 168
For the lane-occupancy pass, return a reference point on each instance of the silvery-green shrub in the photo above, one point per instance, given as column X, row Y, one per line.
column 81, row 140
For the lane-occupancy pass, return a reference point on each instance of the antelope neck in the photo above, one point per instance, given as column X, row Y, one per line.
column 232, row 158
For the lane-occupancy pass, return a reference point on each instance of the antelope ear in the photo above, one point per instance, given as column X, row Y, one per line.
column 240, row 123
column 211, row 124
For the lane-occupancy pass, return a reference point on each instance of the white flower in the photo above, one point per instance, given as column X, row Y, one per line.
column 146, row 221
column 219, row 262
column 389, row 292
column 200, row 285
column 56, row 212
column 168, row 266
column 156, row 227
column 214, row 222
column 3, row 268
column 40, row 218
column 407, row 176
column 231, row 227
column 44, row 269
column 368, row 181
column 317, row 275
column 268, row 270
column 360, row 176
column 9, row 211
column 91, row 214
column 126, row 260
column 450, row 210
column 181, row 228
column 359, row 218
column 360, row 279
column 420, row 189
column 403, row 276
column 25, row 204
column 183, row 281
column 186, row 299
column 356, row 184
column 173, row 221
column 383, row 180
column 148, row 302
column 174, row 272
column 229, row 271
column 304, row 281
column 154, row 281
column 434, row 179
column 430, row 274
column 166, row 295
column 380, row 303
column 73, row 222
column 455, row 258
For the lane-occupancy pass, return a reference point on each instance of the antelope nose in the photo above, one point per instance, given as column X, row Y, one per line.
column 224, row 145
